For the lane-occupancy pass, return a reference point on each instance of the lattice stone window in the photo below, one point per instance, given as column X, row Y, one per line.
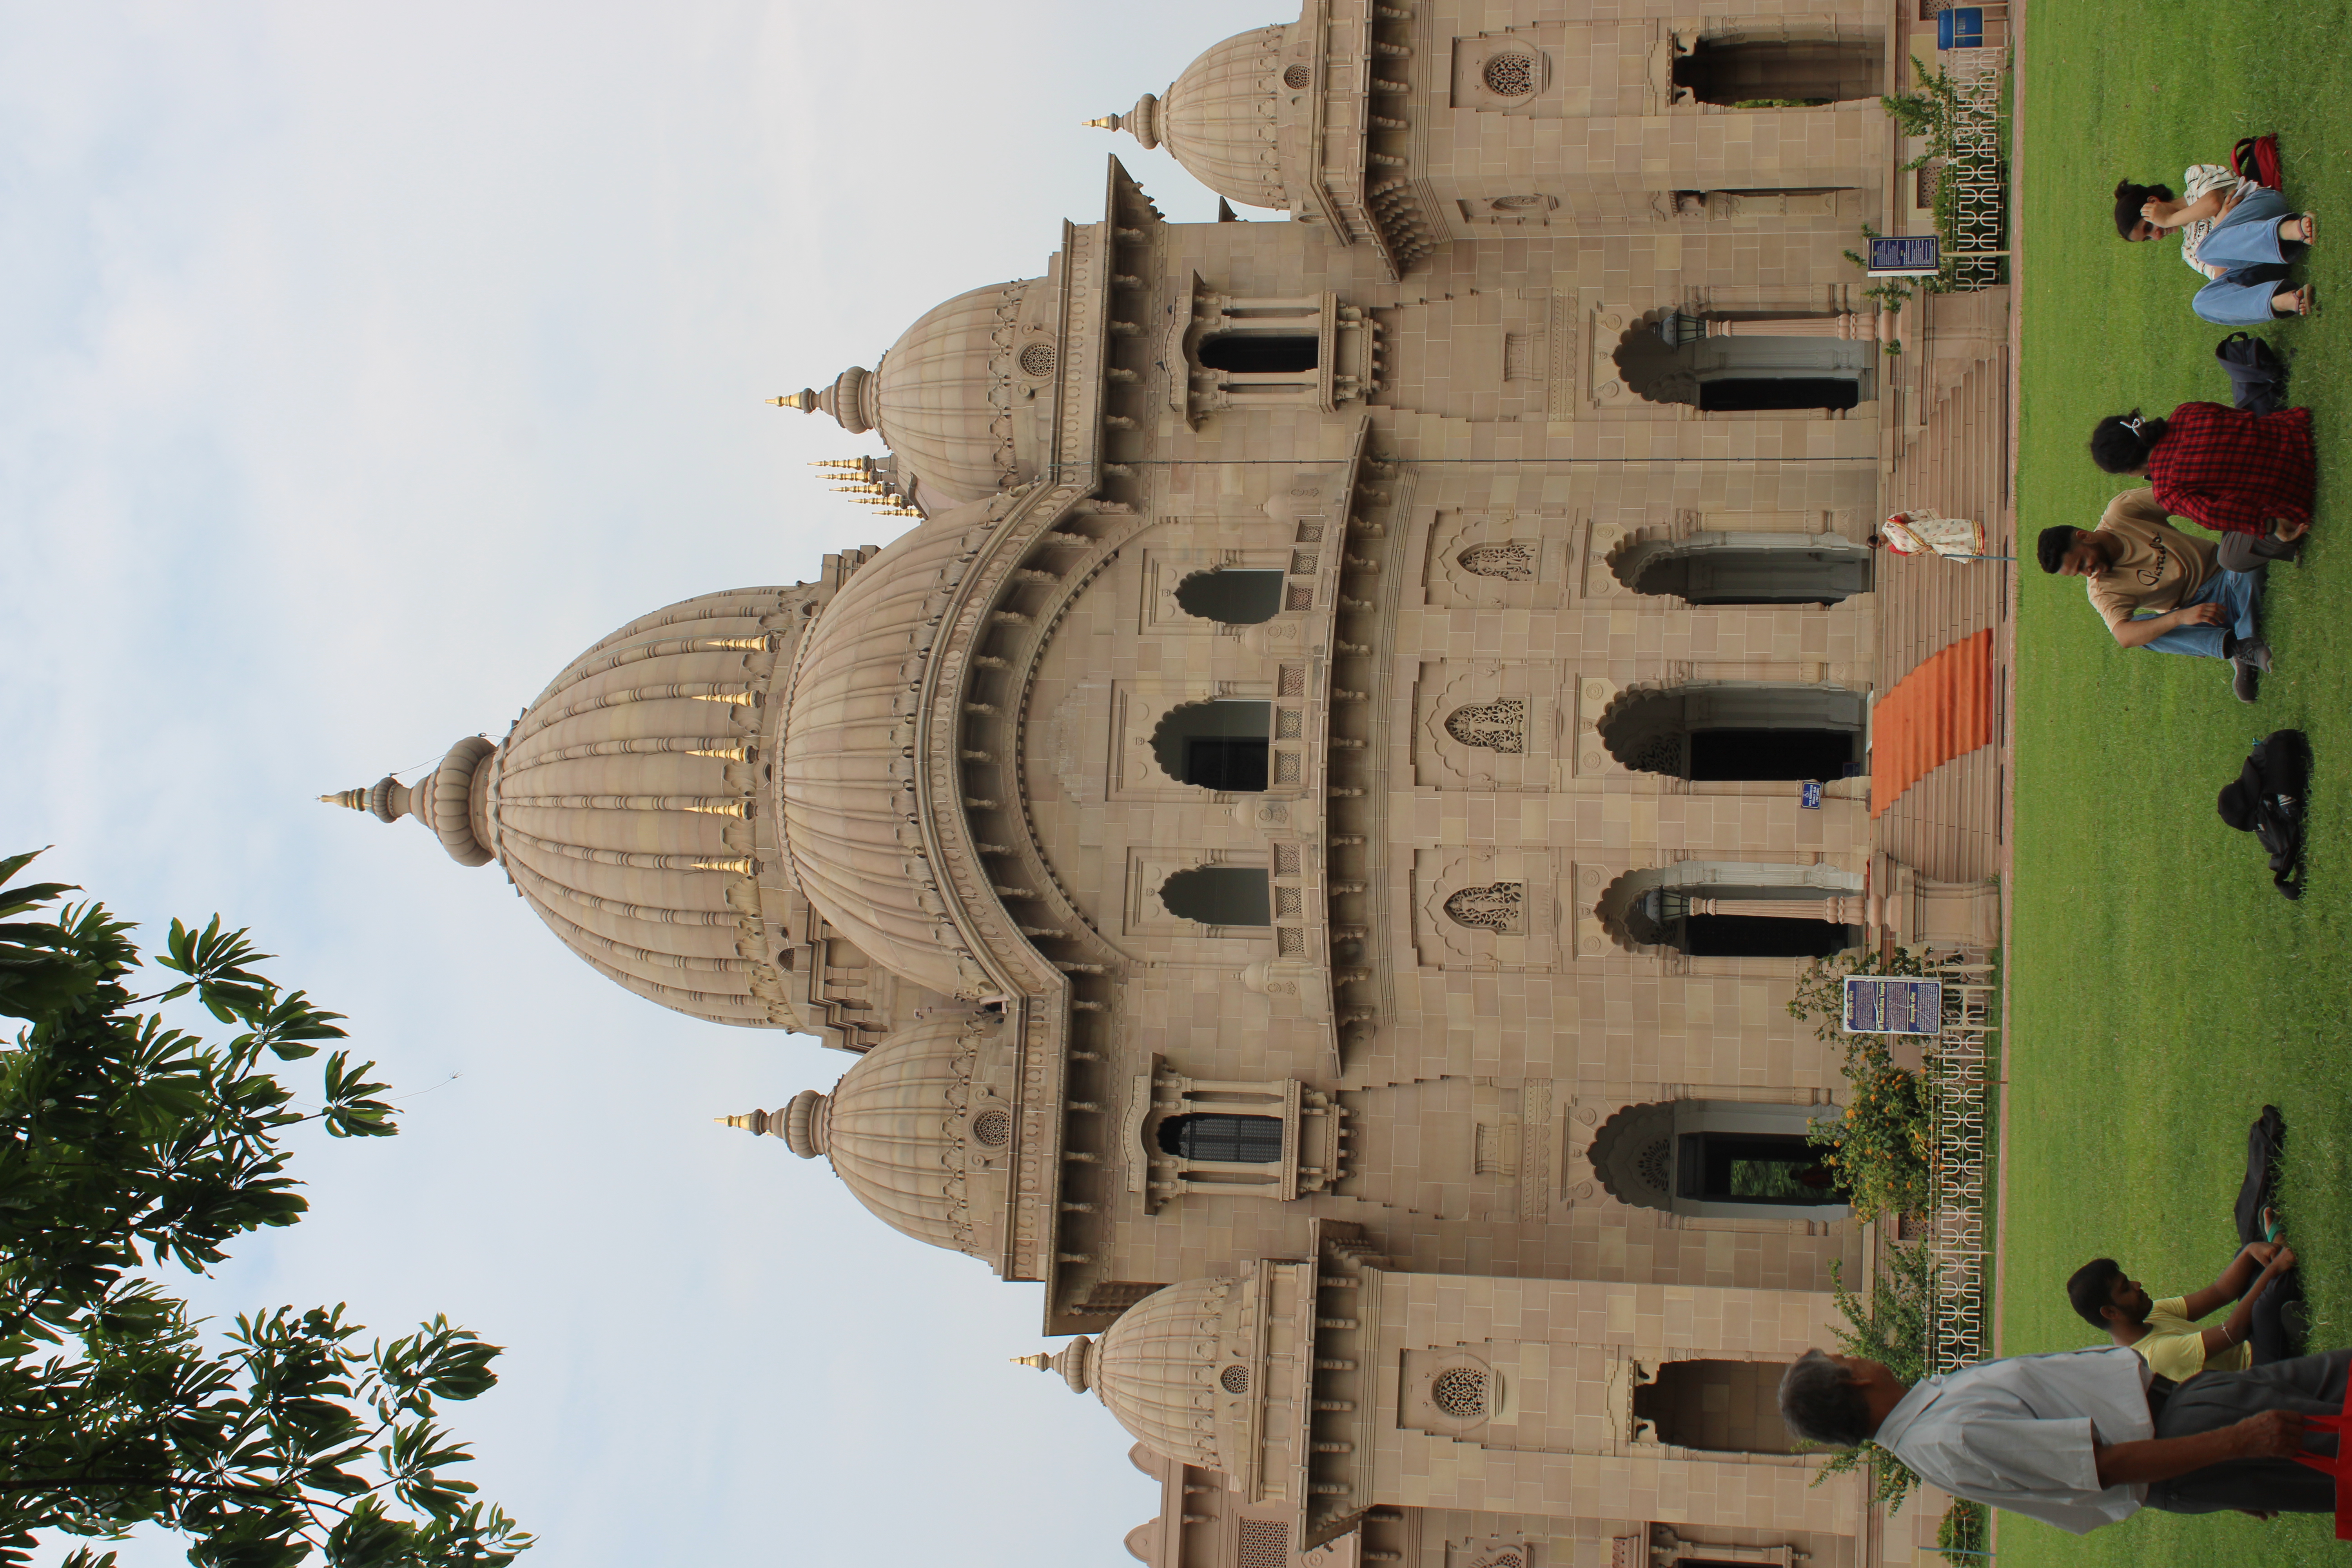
column 1264, row 1545
column 1499, row 726
column 1037, row 359
column 1510, row 74
column 1497, row 907
column 1512, row 562
column 1233, row 1380
column 992, row 1128
column 1297, row 77
column 1460, row 1392
column 1502, row 1559
column 1286, row 860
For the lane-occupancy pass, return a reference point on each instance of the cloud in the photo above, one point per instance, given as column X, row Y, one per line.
column 357, row 367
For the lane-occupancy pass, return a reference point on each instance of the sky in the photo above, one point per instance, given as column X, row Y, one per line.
column 359, row 365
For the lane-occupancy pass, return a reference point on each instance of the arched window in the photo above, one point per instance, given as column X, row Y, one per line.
column 1220, row 896
column 1714, row 568
column 1733, row 909
column 1219, row 745
column 1233, row 595
column 1261, row 354
column 1777, row 74
column 1787, row 364
column 1498, row 726
column 1724, row 1407
column 1233, row 1140
column 1736, row 730
column 1713, row 1159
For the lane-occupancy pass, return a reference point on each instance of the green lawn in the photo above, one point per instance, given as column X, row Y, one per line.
column 2162, row 991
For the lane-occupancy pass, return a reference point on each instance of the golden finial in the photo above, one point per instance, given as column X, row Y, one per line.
column 1107, row 122
column 1040, row 1361
column 350, row 799
column 804, row 400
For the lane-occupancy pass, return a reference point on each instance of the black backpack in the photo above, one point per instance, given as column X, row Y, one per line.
column 2257, row 374
column 2267, row 802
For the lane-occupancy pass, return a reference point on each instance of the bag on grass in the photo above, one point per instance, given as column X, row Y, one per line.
column 2267, row 802
column 2257, row 374
column 2257, row 158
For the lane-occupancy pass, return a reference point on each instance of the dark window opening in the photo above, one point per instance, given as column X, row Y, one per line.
column 1754, row 1168
column 1260, row 354
column 1724, row 1406
column 1765, row 936
column 1220, row 896
column 1236, row 1140
column 1758, row 576
column 1231, row 595
column 1781, row 75
column 1219, row 745
column 1726, row 756
column 1764, row 393
column 1236, row 766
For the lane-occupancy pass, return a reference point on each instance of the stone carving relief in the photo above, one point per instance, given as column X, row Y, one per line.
column 1485, row 725
column 1513, row 559
column 1485, row 910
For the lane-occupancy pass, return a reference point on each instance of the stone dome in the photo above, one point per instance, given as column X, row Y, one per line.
column 850, row 778
column 1175, row 1369
column 623, row 804
column 894, row 1129
column 1222, row 117
column 944, row 396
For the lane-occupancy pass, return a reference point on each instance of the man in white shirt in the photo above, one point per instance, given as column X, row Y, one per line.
column 2083, row 1438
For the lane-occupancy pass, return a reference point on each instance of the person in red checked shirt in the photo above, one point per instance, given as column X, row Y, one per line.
column 2232, row 471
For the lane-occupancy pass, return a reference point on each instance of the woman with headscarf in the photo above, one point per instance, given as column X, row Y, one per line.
column 2232, row 471
column 2234, row 231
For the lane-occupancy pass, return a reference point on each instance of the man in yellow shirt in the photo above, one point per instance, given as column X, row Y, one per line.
column 2164, row 1329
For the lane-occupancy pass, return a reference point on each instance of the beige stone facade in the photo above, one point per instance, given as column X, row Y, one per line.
column 1304, row 835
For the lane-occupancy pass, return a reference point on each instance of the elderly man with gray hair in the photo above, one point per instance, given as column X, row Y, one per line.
column 2083, row 1438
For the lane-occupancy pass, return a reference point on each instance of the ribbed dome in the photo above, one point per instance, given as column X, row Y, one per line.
column 848, row 772
column 895, row 1128
column 1157, row 1367
column 944, row 395
column 1221, row 118
column 623, row 804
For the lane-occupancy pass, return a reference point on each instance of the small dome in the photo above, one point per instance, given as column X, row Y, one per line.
column 894, row 1128
column 1222, row 117
column 849, row 772
column 943, row 397
column 1176, row 1369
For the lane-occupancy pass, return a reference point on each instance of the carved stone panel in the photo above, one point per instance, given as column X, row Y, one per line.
column 1504, row 559
column 1485, row 910
column 1485, row 725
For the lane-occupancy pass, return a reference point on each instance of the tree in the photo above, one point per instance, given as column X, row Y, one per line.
column 127, row 1146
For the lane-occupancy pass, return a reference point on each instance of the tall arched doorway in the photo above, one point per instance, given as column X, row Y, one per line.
column 1715, row 568
column 1719, row 1159
column 1722, row 1407
column 1727, row 731
column 1713, row 909
column 1780, row 73
column 1718, row 364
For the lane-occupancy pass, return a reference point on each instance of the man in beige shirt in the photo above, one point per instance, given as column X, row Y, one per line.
column 2158, row 588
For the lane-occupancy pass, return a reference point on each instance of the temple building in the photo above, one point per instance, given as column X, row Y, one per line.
column 1308, row 837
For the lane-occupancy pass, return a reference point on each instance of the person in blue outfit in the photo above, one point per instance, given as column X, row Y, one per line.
column 2236, row 232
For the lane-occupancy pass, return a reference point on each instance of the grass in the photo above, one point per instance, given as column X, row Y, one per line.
column 2162, row 991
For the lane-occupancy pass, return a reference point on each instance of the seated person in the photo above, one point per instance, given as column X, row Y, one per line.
column 2232, row 471
column 2165, row 1332
column 2234, row 231
column 2157, row 589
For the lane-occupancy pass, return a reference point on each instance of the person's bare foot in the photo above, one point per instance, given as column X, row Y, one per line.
column 2306, row 227
column 2293, row 302
column 2288, row 533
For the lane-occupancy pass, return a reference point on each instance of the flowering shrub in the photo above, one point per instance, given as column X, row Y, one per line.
column 1878, row 1145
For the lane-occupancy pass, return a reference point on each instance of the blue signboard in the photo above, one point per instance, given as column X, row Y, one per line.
column 1905, row 256
column 1811, row 798
column 1960, row 27
column 1880, row 1005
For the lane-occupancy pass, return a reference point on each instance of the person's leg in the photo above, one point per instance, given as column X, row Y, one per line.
column 2229, row 301
column 2273, row 1337
column 2238, row 593
column 2311, row 1385
column 2247, row 553
column 2248, row 234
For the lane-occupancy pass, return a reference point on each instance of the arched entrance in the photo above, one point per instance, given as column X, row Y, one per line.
column 1220, row 744
column 1712, row 909
column 1722, row 1407
column 1736, row 730
column 1718, row 1159
column 1715, row 568
column 1721, row 365
column 1779, row 73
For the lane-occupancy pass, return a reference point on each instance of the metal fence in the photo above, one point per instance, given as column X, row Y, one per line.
column 1977, row 228
column 1959, row 1073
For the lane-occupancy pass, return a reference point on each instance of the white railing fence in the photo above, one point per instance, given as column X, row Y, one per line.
column 1958, row 1067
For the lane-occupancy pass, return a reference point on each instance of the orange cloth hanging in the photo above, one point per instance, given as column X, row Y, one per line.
column 1940, row 710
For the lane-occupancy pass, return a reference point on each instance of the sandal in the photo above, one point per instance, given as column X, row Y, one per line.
column 2270, row 1225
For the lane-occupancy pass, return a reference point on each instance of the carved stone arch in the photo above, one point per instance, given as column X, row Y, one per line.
column 1232, row 595
column 1736, row 730
column 1720, row 364
column 1219, row 743
column 1631, row 908
column 1715, row 568
column 1717, row 1159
